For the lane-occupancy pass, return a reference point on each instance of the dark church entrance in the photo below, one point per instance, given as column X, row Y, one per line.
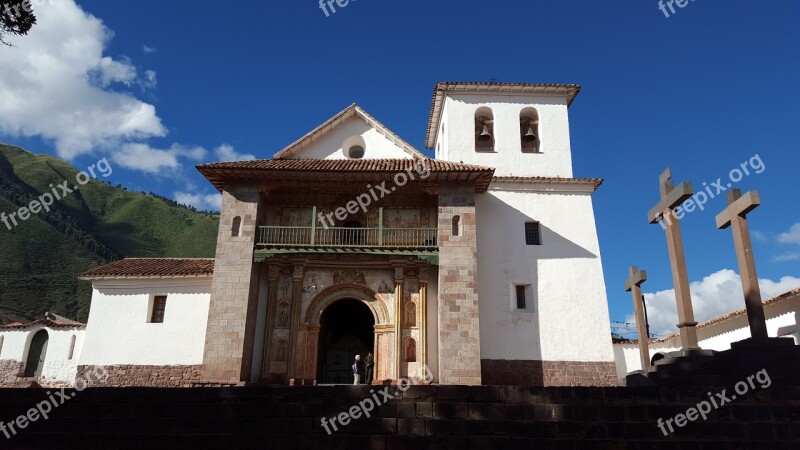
column 347, row 329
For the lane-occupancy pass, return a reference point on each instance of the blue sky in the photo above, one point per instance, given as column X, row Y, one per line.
column 171, row 84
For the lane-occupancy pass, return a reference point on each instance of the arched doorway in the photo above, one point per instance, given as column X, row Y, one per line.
column 36, row 354
column 347, row 329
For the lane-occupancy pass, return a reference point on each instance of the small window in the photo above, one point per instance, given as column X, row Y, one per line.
column 456, row 229
column 521, row 297
column 159, row 307
column 71, row 347
column 356, row 152
column 236, row 226
column 533, row 234
column 522, row 302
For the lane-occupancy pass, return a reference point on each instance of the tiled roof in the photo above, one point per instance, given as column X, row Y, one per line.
column 596, row 182
column 43, row 322
column 439, row 91
column 795, row 293
column 334, row 171
column 344, row 165
column 51, row 320
column 152, row 268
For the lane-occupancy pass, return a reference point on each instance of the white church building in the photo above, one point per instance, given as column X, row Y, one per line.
column 479, row 266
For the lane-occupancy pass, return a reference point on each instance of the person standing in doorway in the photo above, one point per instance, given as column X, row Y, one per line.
column 358, row 370
column 369, row 362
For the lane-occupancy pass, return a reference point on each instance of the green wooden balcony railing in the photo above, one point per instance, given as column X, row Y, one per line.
column 347, row 237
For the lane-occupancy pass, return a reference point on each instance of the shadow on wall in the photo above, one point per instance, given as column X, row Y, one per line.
column 553, row 246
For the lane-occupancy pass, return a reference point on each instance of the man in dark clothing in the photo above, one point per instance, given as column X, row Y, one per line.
column 370, row 363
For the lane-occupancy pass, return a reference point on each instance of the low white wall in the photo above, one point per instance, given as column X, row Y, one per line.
column 718, row 336
column 58, row 367
column 118, row 331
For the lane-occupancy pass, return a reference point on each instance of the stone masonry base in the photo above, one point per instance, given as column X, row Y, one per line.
column 547, row 373
column 424, row 417
column 9, row 372
column 141, row 376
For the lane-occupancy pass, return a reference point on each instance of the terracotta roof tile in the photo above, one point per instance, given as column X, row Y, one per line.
column 152, row 268
column 343, row 165
column 596, row 182
column 43, row 322
column 333, row 171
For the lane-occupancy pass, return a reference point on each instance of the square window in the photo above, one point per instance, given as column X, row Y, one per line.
column 533, row 235
column 159, row 307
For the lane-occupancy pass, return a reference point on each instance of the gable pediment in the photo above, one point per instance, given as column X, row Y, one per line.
column 343, row 133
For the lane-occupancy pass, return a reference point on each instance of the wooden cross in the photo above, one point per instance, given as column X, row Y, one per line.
column 672, row 197
column 633, row 285
column 735, row 216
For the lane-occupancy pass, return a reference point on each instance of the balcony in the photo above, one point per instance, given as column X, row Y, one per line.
column 420, row 242
column 347, row 237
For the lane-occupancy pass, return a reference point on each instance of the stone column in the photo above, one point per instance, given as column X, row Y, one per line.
column 269, row 329
column 297, row 300
column 230, row 333
column 423, row 328
column 398, row 322
column 459, row 331
column 384, row 352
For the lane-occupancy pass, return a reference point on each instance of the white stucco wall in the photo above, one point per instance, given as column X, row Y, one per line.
column 569, row 318
column 58, row 367
column 782, row 320
column 118, row 331
column 329, row 145
column 458, row 140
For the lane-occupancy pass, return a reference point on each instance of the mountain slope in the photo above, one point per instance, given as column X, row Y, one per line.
column 42, row 256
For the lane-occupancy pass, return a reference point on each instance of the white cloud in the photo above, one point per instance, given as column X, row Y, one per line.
column 784, row 257
column 149, row 81
column 151, row 160
column 55, row 83
column 209, row 202
column 792, row 236
column 147, row 49
column 225, row 152
column 759, row 236
column 716, row 294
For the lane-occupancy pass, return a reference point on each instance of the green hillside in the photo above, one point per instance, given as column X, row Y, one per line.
column 41, row 258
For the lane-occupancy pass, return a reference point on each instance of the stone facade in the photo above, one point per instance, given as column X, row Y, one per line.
column 459, row 332
column 548, row 373
column 140, row 376
column 9, row 372
column 234, row 290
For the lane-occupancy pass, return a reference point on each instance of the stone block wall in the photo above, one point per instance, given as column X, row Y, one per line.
column 459, row 331
column 234, row 290
column 547, row 373
column 424, row 417
column 140, row 376
column 9, row 372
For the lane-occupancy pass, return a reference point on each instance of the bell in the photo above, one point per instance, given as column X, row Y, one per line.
column 485, row 134
column 529, row 136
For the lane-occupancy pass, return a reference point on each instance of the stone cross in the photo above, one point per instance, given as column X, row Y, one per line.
column 735, row 216
column 671, row 197
column 633, row 285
